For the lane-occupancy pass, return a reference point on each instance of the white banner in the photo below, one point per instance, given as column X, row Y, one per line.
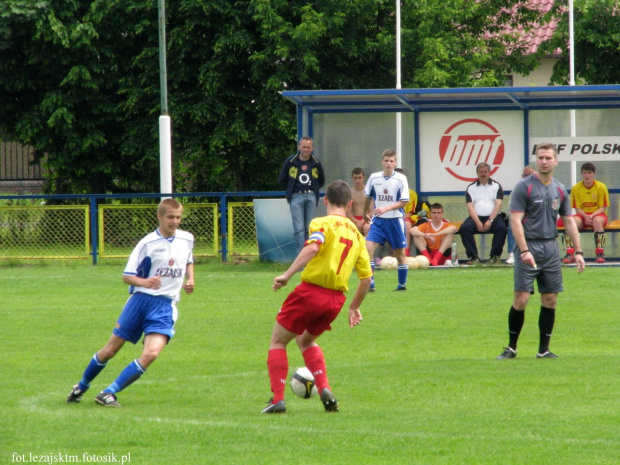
column 581, row 148
column 452, row 144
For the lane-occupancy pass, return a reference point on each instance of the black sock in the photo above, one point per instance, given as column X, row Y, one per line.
column 515, row 324
column 546, row 320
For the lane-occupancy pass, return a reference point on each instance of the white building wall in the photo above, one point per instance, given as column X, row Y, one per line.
column 538, row 78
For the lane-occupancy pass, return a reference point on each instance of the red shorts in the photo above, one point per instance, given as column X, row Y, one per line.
column 560, row 223
column 310, row 308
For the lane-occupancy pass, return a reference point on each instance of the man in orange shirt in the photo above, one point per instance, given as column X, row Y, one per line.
column 333, row 249
column 434, row 238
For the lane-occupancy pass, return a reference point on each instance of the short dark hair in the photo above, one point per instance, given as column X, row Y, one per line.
column 436, row 206
column 338, row 193
column 357, row 170
column 588, row 167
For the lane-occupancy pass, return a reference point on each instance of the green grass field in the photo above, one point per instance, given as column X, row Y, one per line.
column 417, row 381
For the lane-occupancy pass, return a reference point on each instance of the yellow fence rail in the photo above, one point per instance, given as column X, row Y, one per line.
column 44, row 232
column 122, row 226
column 242, row 229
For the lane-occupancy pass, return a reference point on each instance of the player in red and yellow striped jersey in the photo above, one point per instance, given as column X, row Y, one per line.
column 590, row 199
column 333, row 249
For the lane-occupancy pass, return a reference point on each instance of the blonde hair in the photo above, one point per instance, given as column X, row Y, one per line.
column 547, row 146
column 166, row 204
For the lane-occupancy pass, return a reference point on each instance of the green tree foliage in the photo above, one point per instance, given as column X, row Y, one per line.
column 79, row 79
column 59, row 73
column 459, row 43
column 597, row 42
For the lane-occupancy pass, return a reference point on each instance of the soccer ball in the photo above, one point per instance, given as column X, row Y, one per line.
column 423, row 261
column 389, row 263
column 302, row 383
column 413, row 263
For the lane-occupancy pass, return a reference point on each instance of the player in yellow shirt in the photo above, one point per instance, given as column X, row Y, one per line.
column 590, row 199
column 333, row 249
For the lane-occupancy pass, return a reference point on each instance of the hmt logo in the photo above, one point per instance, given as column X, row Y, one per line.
column 467, row 143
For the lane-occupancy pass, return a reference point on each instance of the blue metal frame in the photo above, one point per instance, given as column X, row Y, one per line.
column 300, row 122
column 416, row 146
column 457, row 99
column 526, row 137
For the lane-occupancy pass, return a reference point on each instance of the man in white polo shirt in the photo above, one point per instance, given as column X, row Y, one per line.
column 484, row 199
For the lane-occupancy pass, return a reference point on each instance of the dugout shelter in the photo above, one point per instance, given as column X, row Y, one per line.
column 446, row 132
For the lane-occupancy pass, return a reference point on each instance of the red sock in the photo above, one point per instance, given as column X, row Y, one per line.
column 277, row 364
column 437, row 258
column 315, row 362
column 427, row 255
column 407, row 253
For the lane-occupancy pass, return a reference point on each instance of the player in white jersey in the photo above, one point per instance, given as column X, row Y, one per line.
column 390, row 192
column 158, row 268
column 156, row 255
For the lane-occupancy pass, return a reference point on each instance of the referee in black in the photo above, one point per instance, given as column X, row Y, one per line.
column 535, row 204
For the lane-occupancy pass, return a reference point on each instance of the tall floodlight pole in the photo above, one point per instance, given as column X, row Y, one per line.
column 165, row 144
column 571, row 61
column 399, row 122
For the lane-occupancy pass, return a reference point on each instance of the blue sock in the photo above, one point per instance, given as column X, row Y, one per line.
column 92, row 370
column 372, row 278
column 131, row 373
column 403, row 270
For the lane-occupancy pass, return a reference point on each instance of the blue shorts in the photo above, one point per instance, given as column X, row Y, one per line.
column 391, row 230
column 145, row 313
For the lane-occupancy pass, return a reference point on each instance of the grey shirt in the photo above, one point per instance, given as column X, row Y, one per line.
column 540, row 205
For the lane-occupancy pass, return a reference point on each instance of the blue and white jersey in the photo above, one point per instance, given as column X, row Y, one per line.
column 388, row 190
column 167, row 258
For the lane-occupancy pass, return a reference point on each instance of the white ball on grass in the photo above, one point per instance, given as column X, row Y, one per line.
column 389, row 263
column 413, row 263
column 302, row 383
column 423, row 261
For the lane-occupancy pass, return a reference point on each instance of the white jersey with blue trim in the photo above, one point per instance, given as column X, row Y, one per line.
column 388, row 190
column 156, row 255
